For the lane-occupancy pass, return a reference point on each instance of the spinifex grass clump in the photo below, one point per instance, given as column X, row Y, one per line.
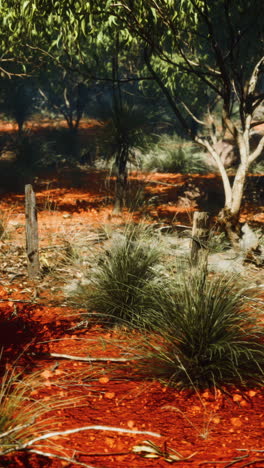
column 19, row 412
column 119, row 289
column 205, row 335
column 25, row 418
column 172, row 154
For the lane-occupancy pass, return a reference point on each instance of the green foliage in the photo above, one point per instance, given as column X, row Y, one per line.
column 258, row 166
column 218, row 242
column 24, row 418
column 201, row 55
column 63, row 92
column 128, row 126
column 120, row 283
column 206, row 335
column 176, row 156
column 12, row 395
column 19, row 412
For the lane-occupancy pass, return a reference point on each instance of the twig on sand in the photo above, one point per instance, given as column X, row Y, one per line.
column 86, row 428
column 88, row 359
column 27, row 446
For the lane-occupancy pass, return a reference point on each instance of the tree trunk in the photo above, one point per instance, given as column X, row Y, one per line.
column 120, row 191
column 242, row 237
column 238, row 188
column 121, row 180
column 20, row 128
column 229, row 223
column 229, row 215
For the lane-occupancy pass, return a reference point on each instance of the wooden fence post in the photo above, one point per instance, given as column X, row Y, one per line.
column 32, row 246
column 200, row 234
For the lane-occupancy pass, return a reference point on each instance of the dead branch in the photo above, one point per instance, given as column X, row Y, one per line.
column 254, row 77
column 201, row 122
column 257, row 151
column 88, row 359
column 86, row 428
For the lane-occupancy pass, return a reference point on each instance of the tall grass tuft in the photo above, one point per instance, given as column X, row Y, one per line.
column 120, row 280
column 21, row 416
column 174, row 155
column 205, row 335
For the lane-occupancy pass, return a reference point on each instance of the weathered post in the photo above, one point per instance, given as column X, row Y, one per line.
column 32, row 246
column 200, row 234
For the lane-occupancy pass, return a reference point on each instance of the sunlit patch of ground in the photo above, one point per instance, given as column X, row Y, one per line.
column 36, row 322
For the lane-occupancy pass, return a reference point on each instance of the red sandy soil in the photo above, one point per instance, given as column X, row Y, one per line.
column 212, row 429
column 36, row 125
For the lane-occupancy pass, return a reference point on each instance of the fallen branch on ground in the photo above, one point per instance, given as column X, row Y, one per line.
column 85, row 428
column 89, row 359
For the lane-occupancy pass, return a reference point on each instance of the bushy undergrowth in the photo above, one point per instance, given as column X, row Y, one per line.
column 258, row 166
column 198, row 330
column 13, row 421
column 24, row 418
column 173, row 155
column 205, row 335
column 119, row 286
column 19, row 412
column 218, row 242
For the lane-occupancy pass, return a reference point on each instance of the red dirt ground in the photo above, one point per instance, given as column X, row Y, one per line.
column 213, row 430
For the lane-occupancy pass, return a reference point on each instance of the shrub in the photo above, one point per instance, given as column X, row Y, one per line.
column 218, row 242
column 176, row 156
column 119, row 284
column 205, row 335
column 258, row 166
column 21, row 416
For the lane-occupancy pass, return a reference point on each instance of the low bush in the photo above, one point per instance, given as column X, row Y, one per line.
column 119, row 285
column 21, row 416
column 176, row 156
column 218, row 242
column 205, row 334
column 26, row 417
column 258, row 166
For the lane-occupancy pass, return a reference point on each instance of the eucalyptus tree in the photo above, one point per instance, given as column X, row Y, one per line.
column 129, row 130
column 64, row 93
column 191, row 48
column 79, row 38
column 215, row 48
column 128, row 115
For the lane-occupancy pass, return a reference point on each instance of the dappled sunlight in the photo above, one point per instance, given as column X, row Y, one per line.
column 78, row 358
